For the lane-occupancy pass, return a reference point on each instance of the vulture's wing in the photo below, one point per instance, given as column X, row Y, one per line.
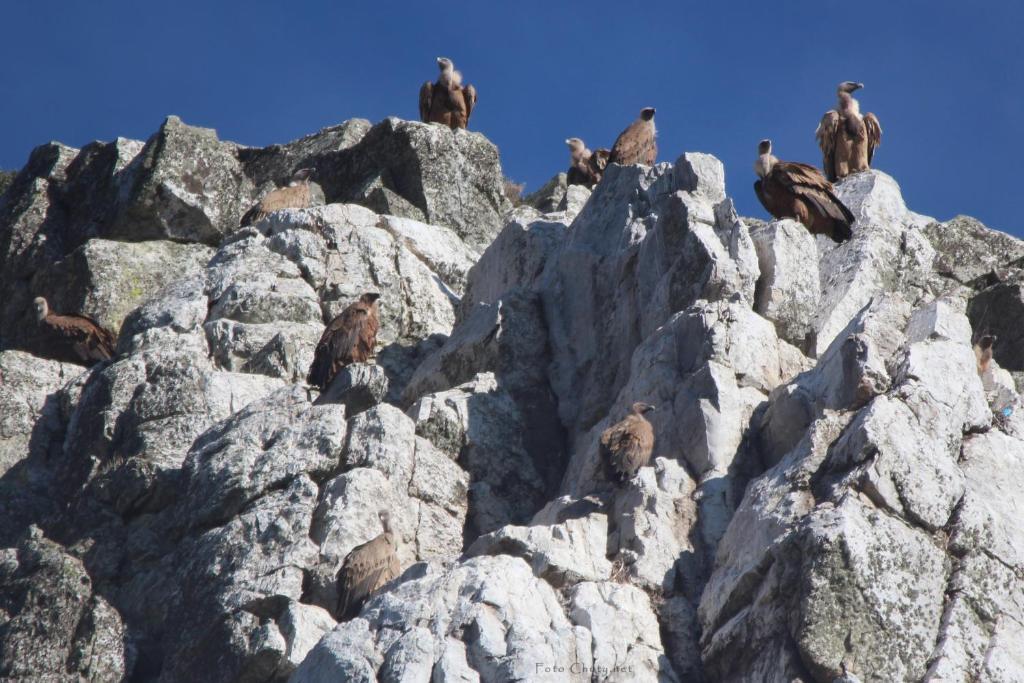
column 334, row 350
column 365, row 569
column 292, row 197
column 426, row 98
column 628, row 447
column 469, row 95
column 347, row 329
column 826, row 135
column 762, row 197
column 635, row 145
column 874, row 129
column 809, row 184
column 87, row 338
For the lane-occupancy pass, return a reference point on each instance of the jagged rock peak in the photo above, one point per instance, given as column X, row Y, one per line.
column 834, row 489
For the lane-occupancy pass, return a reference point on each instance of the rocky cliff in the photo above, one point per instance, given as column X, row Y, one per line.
column 835, row 486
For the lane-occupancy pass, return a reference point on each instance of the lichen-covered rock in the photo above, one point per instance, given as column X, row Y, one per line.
column 107, row 280
column 481, row 426
column 564, row 551
column 260, row 448
column 966, row 250
column 185, row 185
column 888, row 253
column 453, row 177
column 275, row 164
column 489, row 615
column 548, row 196
column 55, row 627
column 358, row 387
column 833, row 492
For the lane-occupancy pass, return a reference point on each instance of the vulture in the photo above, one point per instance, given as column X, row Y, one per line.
column 788, row 189
column 847, row 138
column 300, row 193
column 368, row 567
column 77, row 338
column 626, row 445
column 447, row 101
column 983, row 352
column 585, row 167
column 349, row 338
column 636, row 145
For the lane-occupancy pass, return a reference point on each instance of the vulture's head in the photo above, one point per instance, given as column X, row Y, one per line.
column 385, row 520
column 640, row 408
column 849, row 86
column 40, row 307
column 986, row 341
column 302, row 175
column 445, row 64
column 647, row 114
column 369, row 298
column 575, row 145
column 765, row 160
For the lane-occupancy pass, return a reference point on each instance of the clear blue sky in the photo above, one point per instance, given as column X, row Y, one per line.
column 945, row 78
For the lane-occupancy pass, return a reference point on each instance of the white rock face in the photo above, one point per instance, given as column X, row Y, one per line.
column 788, row 290
column 833, row 494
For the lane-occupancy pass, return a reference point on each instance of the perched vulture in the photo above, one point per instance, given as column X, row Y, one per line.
column 447, row 101
column 847, row 138
column 585, row 167
column 983, row 352
column 626, row 445
column 788, row 189
column 636, row 145
column 75, row 338
column 300, row 193
column 368, row 567
column 349, row 338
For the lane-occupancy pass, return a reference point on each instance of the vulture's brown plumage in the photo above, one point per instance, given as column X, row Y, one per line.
column 447, row 101
column 788, row 189
column 636, row 144
column 299, row 194
column 585, row 167
column 73, row 338
column 366, row 569
column 983, row 352
column 847, row 138
column 349, row 338
column 626, row 446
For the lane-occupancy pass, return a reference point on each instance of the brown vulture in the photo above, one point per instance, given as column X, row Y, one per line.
column 366, row 568
column 636, row 144
column 585, row 167
column 349, row 338
column 447, row 101
column 983, row 352
column 788, row 189
column 626, row 446
column 300, row 193
column 847, row 138
column 74, row 338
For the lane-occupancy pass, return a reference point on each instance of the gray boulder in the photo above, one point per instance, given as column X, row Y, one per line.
column 788, row 289
column 55, row 626
column 185, row 185
column 453, row 177
column 549, row 196
column 966, row 250
column 31, row 437
column 489, row 616
column 107, row 280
